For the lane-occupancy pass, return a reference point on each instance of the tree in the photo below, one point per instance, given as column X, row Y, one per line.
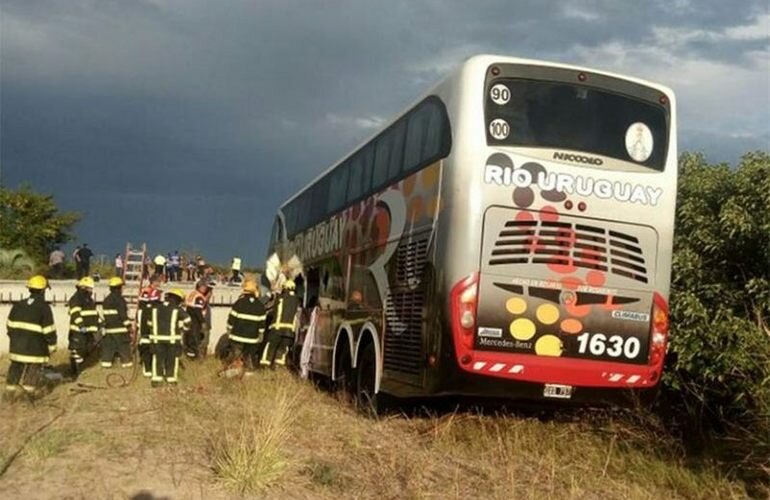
column 720, row 302
column 32, row 222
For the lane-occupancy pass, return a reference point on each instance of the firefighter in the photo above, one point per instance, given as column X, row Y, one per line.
column 246, row 324
column 117, row 325
column 84, row 323
column 168, row 323
column 196, row 340
column 280, row 335
column 148, row 299
column 32, row 337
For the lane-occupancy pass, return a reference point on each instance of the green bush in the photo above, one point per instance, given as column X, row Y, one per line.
column 15, row 264
column 719, row 385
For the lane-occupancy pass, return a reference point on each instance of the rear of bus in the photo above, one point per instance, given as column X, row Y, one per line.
column 559, row 227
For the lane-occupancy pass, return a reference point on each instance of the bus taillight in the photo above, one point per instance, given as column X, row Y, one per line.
column 463, row 303
column 659, row 337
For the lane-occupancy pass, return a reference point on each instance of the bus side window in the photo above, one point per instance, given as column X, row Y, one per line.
column 338, row 188
column 362, row 289
column 360, row 174
column 388, row 155
column 415, row 138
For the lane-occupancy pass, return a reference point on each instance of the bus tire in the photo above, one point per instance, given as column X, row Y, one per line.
column 343, row 383
column 367, row 401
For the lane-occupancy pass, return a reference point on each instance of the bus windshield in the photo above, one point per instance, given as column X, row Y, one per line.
column 559, row 115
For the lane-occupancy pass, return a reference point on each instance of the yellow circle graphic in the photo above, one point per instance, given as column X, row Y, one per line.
column 548, row 314
column 516, row 305
column 548, row 345
column 522, row 329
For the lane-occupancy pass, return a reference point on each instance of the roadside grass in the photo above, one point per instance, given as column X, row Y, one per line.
column 272, row 435
column 48, row 444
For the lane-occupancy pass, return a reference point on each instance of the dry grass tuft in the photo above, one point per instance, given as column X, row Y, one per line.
column 249, row 456
column 48, row 444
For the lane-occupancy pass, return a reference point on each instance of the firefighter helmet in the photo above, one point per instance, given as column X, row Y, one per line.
column 37, row 282
column 86, row 282
column 176, row 292
column 116, row 281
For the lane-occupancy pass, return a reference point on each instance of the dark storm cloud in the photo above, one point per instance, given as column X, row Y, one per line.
column 229, row 107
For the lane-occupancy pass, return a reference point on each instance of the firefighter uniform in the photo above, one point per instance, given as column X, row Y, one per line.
column 32, row 335
column 246, row 323
column 84, row 322
column 149, row 298
column 280, row 335
column 168, row 323
column 116, row 340
column 196, row 340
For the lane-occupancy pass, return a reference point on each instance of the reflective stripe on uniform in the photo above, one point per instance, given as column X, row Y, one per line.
column 109, row 312
column 49, row 329
column 155, row 375
column 248, row 317
column 165, row 338
column 155, row 337
column 119, row 329
column 278, row 324
column 75, row 328
column 173, row 378
column 89, row 312
column 244, row 340
column 23, row 358
column 23, row 325
column 74, row 310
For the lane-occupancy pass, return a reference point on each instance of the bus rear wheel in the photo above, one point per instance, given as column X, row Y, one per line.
column 367, row 401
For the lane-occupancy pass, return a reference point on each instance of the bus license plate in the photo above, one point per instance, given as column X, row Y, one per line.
column 557, row 391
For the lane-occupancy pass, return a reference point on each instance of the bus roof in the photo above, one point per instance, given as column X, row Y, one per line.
column 475, row 63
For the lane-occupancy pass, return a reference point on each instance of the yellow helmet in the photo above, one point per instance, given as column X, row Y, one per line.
column 86, row 282
column 177, row 292
column 116, row 281
column 250, row 285
column 37, row 282
column 289, row 285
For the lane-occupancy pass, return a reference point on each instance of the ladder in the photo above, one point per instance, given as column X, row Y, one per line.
column 133, row 270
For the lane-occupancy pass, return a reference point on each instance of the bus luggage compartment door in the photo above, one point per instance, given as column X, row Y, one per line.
column 565, row 286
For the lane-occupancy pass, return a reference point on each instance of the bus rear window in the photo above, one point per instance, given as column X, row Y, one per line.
column 556, row 115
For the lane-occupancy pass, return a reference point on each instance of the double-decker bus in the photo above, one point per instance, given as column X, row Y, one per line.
column 508, row 235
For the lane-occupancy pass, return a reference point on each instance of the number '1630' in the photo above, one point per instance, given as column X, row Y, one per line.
column 614, row 346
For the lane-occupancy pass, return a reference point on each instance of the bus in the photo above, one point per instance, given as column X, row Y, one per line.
column 509, row 235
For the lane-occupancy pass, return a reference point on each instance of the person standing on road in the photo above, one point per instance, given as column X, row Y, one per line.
column 84, row 257
column 149, row 298
column 76, row 260
column 56, row 263
column 118, row 265
column 32, row 335
column 175, row 262
column 246, row 324
column 280, row 335
column 84, row 323
column 168, row 324
column 160, row 265
column 235, row 267
column 196, row 340
column 117, row 339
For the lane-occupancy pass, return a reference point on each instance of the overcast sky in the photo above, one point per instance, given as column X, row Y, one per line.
column 185, row 123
